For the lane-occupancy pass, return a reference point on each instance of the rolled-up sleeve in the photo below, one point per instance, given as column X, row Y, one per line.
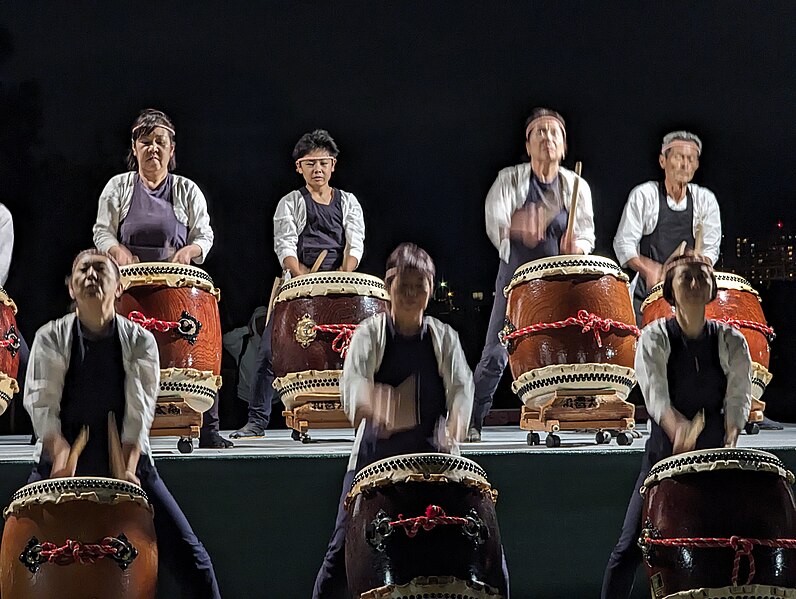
column 652, row 357
column 6, row 243
column 44, row 382
column 737, row 367
column 631, row 228
column 286, row 229
column 106, row 228
column 497, row 214
column 354, row 226
column 711, row 226
column 141, row 389
column 199, row 230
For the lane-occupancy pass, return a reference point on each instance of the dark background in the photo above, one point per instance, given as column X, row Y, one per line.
column 426, row 100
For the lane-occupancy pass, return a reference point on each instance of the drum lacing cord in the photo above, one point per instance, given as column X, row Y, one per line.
column 75, row 551
column 742, row 546
column 161, row 326
column 586, row 320
column 434, row 515
column 749, row 324
column 344, row 332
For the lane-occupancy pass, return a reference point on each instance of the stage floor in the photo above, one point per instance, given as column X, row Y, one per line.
column 338, row 442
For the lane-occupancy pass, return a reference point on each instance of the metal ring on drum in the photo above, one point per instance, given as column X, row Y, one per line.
column 570, row 327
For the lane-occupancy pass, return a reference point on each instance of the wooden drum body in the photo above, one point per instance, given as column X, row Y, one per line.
column 423, row 525
column 580, row 333
column 53, row 525
column 9, row 350
column 703, row 510
column 314, row 317
column 738, row 304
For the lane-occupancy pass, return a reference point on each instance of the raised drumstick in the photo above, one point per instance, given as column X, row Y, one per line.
column 115, row 456
column 573, row 202
column 678, row 251
column 319, row 260
column 698, row 240
column 77, row 448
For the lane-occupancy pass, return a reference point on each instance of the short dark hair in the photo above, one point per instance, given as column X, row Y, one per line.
column 687, row 258
column 409, row 256
column 145, row 124
column 96, row 252
column 315, row 140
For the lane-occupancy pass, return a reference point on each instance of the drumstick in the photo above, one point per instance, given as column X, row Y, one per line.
column 77, row 448
column 573, row 203
column 698, row 240
column 678, row 251
column 319, row 260
column 272, row 300
column 115, row 449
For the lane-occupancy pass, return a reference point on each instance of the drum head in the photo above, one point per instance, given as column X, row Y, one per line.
column 565, row 266
column 332, row 283
column 167, row 274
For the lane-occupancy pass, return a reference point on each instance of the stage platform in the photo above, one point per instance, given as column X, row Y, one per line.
column 265, row 508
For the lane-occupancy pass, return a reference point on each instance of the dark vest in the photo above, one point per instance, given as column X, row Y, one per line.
column 324, row 231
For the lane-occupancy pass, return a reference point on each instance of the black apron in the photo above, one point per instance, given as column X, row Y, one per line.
column 323, row 231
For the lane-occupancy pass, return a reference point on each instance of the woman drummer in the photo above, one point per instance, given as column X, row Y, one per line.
column 149, row 214
column 396, row 360
column 695, row 375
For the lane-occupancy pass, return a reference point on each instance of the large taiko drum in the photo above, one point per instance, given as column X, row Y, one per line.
column 720, row 523
column 74, row 538
column 736, row 303
column 570, row 327
column 9, row 350
column 314, row 316
column 179, row 304
column 423, row 525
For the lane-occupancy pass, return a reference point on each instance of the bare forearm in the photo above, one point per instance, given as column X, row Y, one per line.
column 350, row 264
column 295, row 267
column 131, row 453
column 648, row 268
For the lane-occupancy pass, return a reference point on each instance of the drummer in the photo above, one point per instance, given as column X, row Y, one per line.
column 660, row 215
column 400, row 359
column 695, row 375
column 527, row 210
column 313, row 219
column 85, row 365
column 149, row 214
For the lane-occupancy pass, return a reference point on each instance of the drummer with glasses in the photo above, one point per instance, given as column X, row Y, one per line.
column 695, row 375
column 149, row 214
column 315, row 223
column 527, row 211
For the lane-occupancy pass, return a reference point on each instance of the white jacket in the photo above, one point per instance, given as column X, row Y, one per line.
column 6, row 243
column 364, row 359
column 190, row 209
column 49, row 362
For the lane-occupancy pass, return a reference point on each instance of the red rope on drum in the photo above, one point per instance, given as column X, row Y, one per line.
column 75, row 551
column 344, row 332
column 586, row 320
column 435, row 515
column 749, row 324
column 6, row 343
column 161, row 326
column 742, row 546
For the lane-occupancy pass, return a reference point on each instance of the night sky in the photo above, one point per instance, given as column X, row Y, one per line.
column 427, row 101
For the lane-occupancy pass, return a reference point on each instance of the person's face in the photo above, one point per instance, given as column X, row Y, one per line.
column 154, row 151
column 94, row 278
column 680, row 163
column 316, row 168
column 409, row 293
column 692, row 285
column 546, row 141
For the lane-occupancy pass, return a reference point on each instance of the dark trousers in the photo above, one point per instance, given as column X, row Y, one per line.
column 620, row 573
column 263, row 390
column 180, row 552
column 493, row 360
column 210, row 419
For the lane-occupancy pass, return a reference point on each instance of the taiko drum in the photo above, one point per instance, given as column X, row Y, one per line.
column 9, row 350
column 74, row 538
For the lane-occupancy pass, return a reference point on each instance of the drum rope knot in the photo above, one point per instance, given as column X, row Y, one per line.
column 742, row 546
column 75, row 551
column 342, row 341
column 750, row 324
column 434, row 516
column 586, row 320
column 161, row 326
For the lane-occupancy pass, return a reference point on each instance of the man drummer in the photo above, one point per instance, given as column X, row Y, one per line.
column 527, row 210
column 660, row 215
column 309, row 221
column 85, row 365
column 401, row 362
column 695, row 375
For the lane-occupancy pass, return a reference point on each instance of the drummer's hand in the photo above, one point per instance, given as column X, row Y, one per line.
column 653, row 273
column 350, row 264
column 731, row 437
column 568, row 245
column 528, row 226
column 186, row 254
column 687, row 432
column 130, row 477
column 122, row 255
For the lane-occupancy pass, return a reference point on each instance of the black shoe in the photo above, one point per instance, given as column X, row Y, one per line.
column 473, row 435
column 769, row 425
column 214, row 441
column 249, row 431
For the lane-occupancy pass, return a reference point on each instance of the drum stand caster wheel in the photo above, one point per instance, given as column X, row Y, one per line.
column 552, row 440
column 534, row 439
column 305, row 438
column 624, row 438
column 751, row 428
column 185, row 445
column 295, row 435
column 636, row 434
column 603, row 437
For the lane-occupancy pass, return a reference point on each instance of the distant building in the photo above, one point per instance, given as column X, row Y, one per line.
column 764, row 259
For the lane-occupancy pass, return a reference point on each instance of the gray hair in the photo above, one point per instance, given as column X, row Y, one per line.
column 674, row 136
